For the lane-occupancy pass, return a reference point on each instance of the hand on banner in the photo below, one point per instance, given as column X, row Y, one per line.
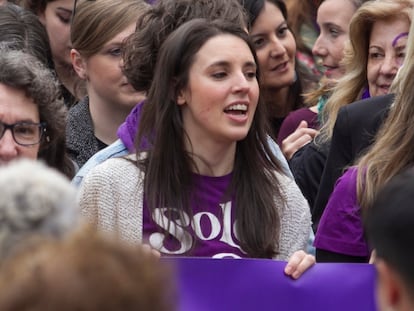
column 298, row 263
column 149, row 251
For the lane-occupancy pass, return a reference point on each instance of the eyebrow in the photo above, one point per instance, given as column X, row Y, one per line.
column 64, row 10
column 330, row 24
column 224, row 63
column 284, row 23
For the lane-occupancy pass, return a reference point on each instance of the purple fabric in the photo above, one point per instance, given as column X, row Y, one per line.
column 260, row 284
column 366, row 93
column 340, row 229
column 209, row 233
column 293, row 120
column 128, row 129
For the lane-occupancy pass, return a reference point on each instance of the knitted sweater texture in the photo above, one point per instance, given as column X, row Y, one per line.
column 111, row 197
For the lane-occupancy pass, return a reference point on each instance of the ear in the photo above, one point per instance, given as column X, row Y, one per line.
column 181, row 98
column 390, row 288
column 79, row 64
column 41, row 16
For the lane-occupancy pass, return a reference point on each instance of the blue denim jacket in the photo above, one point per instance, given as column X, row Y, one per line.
column 116, row 149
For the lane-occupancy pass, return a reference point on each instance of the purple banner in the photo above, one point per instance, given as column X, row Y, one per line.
column 254, row 284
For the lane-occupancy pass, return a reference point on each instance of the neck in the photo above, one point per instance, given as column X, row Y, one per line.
column 277, row 102
column 106, row 118
column 212, row 159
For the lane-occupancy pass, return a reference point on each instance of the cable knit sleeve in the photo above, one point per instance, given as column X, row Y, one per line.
column 111, row 197
column 295, row 219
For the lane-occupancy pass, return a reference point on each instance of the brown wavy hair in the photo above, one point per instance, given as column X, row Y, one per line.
column 153, row 27
column 25, row 72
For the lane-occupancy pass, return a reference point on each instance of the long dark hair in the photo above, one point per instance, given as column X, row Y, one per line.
column 254, row 8
column 168, row 166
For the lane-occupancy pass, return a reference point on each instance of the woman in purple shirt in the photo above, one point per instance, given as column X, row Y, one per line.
column 207, row 183
column 341, row 235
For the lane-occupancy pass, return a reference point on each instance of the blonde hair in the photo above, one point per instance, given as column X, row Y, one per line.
column 393, row 150
column 97, row 22
column 351, row 86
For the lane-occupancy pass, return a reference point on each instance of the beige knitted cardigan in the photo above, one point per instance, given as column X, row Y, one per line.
column 111, row 197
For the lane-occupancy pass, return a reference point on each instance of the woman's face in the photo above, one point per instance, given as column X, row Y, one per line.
column 387, row 46
column 221, row 97
column 57, row 20
column 105, row 81
column 16, row 107
column 275, row 47
column 333, row 19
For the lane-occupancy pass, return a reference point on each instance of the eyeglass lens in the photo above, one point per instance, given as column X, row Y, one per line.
column 23, row 133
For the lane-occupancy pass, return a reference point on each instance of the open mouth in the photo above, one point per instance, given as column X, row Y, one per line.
column 237, row 109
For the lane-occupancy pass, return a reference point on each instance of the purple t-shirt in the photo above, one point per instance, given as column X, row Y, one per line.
column 340, row 229
column 292, row 121
column 209, row 233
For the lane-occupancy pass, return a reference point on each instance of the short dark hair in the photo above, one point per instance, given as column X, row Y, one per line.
column 389, row 225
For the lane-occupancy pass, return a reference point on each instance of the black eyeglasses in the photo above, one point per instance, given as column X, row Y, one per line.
column 24, row 133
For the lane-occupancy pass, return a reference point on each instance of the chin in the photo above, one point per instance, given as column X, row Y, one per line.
column 238, row 136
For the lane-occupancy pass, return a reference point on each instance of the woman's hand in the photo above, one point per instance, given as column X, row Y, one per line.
column 298, row 263
column 149, row 251
column 299, row 138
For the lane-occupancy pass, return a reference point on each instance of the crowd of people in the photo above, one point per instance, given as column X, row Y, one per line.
column 132, row 130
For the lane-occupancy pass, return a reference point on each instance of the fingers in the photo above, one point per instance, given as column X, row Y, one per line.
column 373, row 257
column 149, row 251
column 298, row 263
column 300, row 137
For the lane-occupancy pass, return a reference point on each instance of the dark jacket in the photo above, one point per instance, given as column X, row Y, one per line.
column 307, row 166
column 354, row 131
column 81, row 142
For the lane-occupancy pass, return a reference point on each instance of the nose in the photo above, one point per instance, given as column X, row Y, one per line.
column 277, row 48
column 390, row 66
column 241, row 84
column 8, row 147
column 318, row 48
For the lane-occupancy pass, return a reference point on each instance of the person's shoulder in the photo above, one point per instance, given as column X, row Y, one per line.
column 81, row 106
column 116, row 149
column 114, row 170
column 370, row 104
column 365, row 114
column 301, row 114
column 79, row 118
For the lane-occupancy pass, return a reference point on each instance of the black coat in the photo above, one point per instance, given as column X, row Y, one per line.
column 354, row 131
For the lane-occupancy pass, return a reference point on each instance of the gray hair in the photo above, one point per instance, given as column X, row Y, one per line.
column 34, row 200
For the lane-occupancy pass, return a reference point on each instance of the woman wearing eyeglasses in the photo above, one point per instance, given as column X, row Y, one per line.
column 30, row 114
column 22, row 30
